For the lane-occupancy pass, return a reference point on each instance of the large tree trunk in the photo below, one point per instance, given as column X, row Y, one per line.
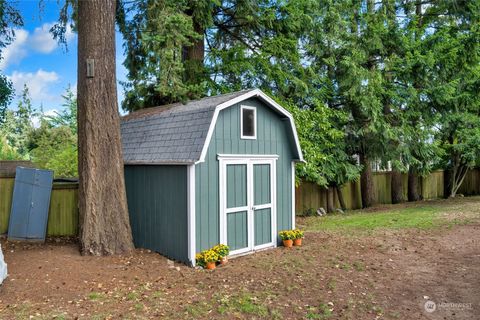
column 193, row 58
column 330, row 200
column 104, row 222
column 341, row 200
column 447, row 183
column 397, row 187
column 413, row 194
column 459, row 173
column 366, row 182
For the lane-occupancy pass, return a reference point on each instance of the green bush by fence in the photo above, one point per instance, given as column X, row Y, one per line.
column 309, row 196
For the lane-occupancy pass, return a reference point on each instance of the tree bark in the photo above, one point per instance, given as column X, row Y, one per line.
column 458, row 176
column 330, row 201
column 104, row 221
column 413, row 194
column 397, row 187
column 366, row 182
column 447, row 183
column 341, row 200
column 193, row 57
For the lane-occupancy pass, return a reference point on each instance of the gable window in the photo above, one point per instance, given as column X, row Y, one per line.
column 248, row 123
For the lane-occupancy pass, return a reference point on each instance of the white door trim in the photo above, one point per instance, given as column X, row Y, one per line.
column 191, row 214
column 225, row 160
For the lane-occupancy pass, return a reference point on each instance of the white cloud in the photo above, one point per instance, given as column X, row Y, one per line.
column 41, row 41
column 16, row 51
column 36, row 120
column 38, row 84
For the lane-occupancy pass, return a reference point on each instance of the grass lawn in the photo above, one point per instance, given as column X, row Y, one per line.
column 423, row 215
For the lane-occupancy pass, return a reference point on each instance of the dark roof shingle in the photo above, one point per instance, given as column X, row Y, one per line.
column 169, row 134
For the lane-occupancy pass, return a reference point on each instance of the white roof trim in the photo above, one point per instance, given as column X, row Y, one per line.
column 253, row 93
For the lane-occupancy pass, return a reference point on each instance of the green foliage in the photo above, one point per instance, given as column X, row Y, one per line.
column 7, row 152
column 55, row 148
column 222, row 250
column 9, row 19
column 18, row 125
column 155, row 38
column 389, row 81
column 68, row 116
column 6, row 95
column 54, row 144
column 199, row 260
column 323, row 145
column 209, row 256
column 287, row 235
column 298, row 233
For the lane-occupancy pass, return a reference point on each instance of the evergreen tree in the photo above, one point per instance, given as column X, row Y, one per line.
column 9, row 18
column 18, row 124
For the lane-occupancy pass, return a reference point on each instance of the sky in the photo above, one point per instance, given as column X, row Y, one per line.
column 35, row 59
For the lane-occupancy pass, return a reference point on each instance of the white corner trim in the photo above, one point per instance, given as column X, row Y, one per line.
column 191, row 213
column 222, row 222
column 293, row 194
column 254, row 137
column 254, row 93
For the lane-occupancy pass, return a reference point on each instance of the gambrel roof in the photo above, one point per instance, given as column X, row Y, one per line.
column 180, row 133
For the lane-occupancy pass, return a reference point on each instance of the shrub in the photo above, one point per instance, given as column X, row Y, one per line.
column 222, row 250
column 287, row 235
column 210, row 256
column 298, row 234
column 200, row 261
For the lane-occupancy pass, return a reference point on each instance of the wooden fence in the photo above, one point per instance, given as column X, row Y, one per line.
column 63, row 214
column 309, row 196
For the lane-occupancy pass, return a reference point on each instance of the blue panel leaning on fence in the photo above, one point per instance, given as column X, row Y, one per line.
column 31, row 200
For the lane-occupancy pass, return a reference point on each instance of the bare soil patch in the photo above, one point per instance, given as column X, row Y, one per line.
column 389, row 274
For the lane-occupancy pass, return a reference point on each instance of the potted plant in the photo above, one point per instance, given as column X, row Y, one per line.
column 199, row 260
column 297, row 240
column 210, row 257
column 287, row 237
column 222, row 251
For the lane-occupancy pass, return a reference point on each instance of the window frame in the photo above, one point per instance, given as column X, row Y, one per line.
column 242, row 136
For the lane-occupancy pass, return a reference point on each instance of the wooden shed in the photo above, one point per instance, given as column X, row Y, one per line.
column 216, row 170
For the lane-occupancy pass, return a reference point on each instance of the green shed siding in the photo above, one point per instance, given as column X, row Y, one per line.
column 274, row 137
column 157, row 204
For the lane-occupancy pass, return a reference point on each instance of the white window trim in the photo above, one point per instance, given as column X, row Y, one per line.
column 242, row 136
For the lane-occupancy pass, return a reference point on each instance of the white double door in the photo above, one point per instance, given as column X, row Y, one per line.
column 247, row 203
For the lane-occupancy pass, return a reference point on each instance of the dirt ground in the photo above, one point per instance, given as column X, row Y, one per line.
column 384, row 275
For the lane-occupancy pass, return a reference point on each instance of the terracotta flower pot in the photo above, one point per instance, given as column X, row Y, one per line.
column 223, row 260
column 211, row 265
column 297, row 242
column 288, row 243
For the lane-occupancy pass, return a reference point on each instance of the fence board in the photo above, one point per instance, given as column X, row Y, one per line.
column 63, row 212
column 311, row 197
